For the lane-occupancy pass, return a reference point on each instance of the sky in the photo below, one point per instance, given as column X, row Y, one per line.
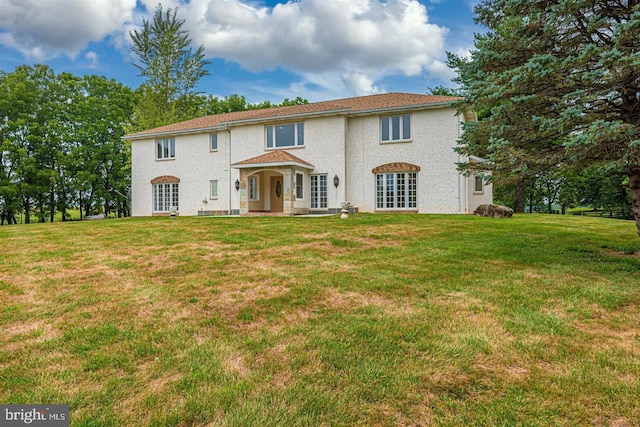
column 263, row 50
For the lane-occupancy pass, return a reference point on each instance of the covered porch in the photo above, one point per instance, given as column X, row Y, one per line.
column 270, row 182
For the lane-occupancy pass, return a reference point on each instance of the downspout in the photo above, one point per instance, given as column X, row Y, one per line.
column 459, row 177
column 344, row 158
column 229, row 165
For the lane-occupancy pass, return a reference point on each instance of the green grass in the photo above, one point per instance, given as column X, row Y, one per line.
column 375, row 320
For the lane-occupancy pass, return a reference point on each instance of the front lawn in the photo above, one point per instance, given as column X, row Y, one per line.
column 374, row 320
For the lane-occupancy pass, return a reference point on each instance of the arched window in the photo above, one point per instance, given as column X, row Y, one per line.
column 165, row 193
column 396, row 186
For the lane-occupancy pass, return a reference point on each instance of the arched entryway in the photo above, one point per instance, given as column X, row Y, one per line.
column 264, row 190
column 268, row 184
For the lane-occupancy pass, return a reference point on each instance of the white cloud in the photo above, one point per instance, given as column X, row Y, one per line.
column 43, row 29
column 92, row 57
column 357, row 40
column 340, row 47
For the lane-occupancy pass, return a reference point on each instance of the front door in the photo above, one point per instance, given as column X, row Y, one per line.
column 276, row 194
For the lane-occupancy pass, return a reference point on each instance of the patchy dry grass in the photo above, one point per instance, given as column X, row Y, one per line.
column 377, row 320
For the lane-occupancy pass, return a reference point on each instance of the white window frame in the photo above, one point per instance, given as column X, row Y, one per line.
column 213, row 189
column 165, row 148
column 166, row 197
column 254, row 188
column 213, row 142
column 478, row 179
column 271, row 136
column 396, row 190
column 389, row 123
column 319, row 191
column 299, row 186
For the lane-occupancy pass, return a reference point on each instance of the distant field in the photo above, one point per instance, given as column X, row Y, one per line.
column 376, row 320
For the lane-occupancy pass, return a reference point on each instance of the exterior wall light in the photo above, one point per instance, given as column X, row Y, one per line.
column 336, row 181
column 237, row 184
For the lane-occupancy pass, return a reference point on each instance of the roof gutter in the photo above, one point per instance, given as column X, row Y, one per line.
column 227, row 124
column 175, row 132
column 345, row 111
column 287, row 116
column 429, row 106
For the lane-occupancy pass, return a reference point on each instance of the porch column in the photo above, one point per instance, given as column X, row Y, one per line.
column 244, row 200
column 289, row 193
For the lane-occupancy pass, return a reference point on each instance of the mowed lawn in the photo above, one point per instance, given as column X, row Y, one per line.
column 375, row 320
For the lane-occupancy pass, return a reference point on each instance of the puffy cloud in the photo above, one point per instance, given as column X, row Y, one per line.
column 42, row 29
column 92, row 57
column 358, row 40
column 331, row 46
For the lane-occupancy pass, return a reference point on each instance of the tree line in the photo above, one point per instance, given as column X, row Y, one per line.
column 61, row 147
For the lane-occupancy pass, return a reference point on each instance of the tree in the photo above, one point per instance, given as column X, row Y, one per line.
column 562, row 81
column 443, row 91
column 61, row 144
column 170, row 67
column 30, row 144
column 100, row 159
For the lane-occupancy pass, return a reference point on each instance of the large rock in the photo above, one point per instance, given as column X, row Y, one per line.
column 494, row 211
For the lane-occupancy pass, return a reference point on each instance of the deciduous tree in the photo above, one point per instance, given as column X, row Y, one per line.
column 170, row 66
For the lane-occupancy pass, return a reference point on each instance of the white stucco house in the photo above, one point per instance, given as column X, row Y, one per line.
column 382, row 153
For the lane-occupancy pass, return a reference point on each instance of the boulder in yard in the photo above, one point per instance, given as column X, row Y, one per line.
column 494, row 211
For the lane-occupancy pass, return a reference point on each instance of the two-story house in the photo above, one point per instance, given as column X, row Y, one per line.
column 382, row 153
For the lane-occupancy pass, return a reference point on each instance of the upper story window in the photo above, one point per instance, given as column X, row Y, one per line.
column 395, row 128
column 166, row 148
column 214, row 142
column 286, row 135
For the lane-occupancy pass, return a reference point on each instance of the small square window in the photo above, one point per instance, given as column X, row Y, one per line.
column 478, row 184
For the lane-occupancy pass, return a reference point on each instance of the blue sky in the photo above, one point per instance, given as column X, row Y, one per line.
column 264, row 50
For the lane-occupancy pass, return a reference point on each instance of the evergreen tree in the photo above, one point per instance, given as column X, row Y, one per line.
column 562, row 81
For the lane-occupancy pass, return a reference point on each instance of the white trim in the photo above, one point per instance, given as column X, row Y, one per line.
column 273, row 165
